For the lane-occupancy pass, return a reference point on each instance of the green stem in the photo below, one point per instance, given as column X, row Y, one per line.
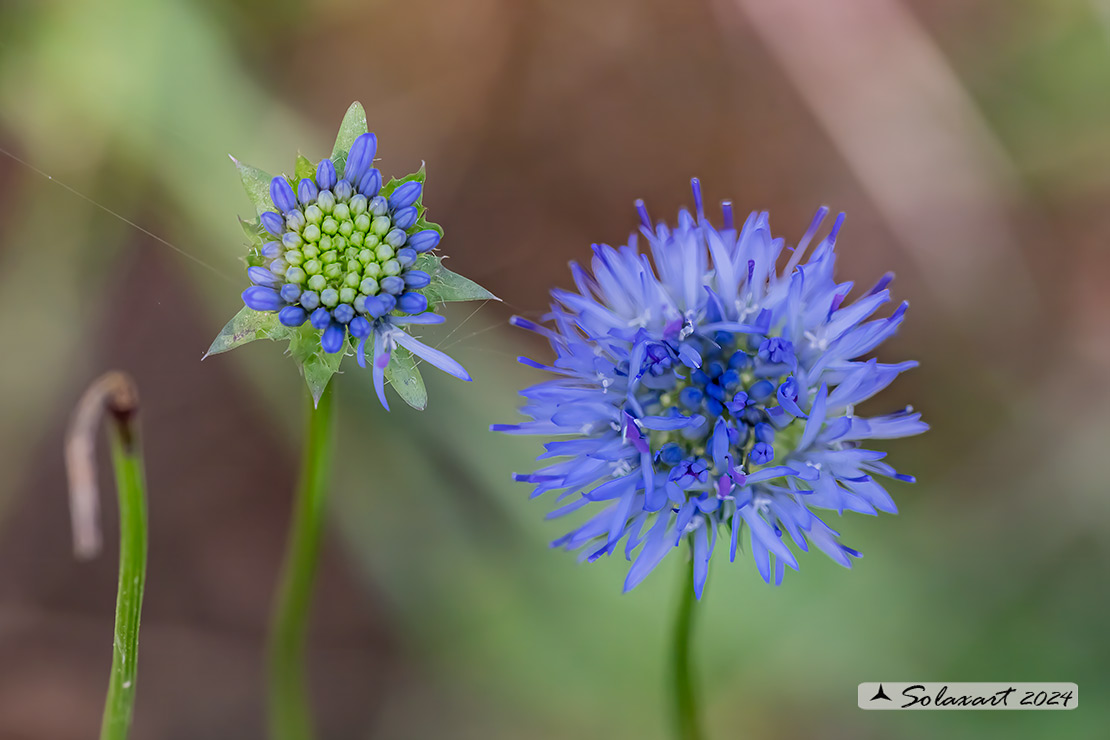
column 289, row 713
column 687, row 726
column 131, row 487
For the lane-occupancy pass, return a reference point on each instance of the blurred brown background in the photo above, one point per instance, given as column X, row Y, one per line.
column 968, row 143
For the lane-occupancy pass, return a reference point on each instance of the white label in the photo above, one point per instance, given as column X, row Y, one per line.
column 940, row 695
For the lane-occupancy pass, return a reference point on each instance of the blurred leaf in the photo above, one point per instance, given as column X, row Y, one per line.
column 447, row 286
column 304, row 169
column 257, row 184
column 245, row 327
column 404, row 376
column 353, row 126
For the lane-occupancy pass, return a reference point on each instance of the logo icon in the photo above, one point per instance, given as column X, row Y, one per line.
column 881, row 694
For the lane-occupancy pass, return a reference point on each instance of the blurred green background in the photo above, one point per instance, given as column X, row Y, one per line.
column 969, row 143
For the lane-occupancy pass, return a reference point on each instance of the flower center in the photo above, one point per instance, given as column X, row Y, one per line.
column 342, row 248
column 736, row 385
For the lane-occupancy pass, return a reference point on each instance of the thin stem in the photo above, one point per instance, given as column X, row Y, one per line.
column 687, row 725
column 115, row 398
column 290, row 716
column 130, row 482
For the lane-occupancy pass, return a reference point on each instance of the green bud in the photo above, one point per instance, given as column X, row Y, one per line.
column 351, row 254
column 362, row 223
column 326, row 201
column 293, row 257
column 311, row 251
column 329, row 256
column 295, row 275
column 341, row 212
column 311, row 233
column 317, row 283
column 346, row 228
column 372, row 270
column 312, row 267
column 330, row 225
column 352, row 279
column 333, row 271
column 392, row 267
column 365, row 255
column 371, row 241
column 358, row 204
column 313, row 214
column 324, row 243
column 384, row 252
column 369, row 286
column 381, row 225
column 278, row 266
column 329, row 297
column 347, row 295
column 353, row 266
column 355, row 238
column 338, row 243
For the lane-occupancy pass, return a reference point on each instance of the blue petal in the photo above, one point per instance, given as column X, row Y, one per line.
column 360, row 157
column 370, row 183
column 404, row 218
column 281, row 193
column 325, row 174
column 412, row 303
column 273, row 223
column 360, row 327
column 307, row 191
column 417, row 279
column 262, row 276
column 332, row 340
column 381, row 361
column 320, row 318
column 405, row 195
column 262, row 299
column 292, row 316
column 432, row 355
column 423, row 241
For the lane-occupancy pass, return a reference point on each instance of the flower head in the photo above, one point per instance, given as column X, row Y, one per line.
column 340, row 260
column 700, row 389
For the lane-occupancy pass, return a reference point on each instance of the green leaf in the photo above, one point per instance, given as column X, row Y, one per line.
column 316, row 365
column 422, row 224
column 254, row 231
column 404, row 376
column 420, row 176
column 257, row 184
column 353, row 126
column 304, row 169
column 245, row 327
column 447, row 286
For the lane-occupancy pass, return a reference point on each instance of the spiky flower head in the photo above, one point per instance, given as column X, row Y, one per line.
column 341, row 261
column 701, row 390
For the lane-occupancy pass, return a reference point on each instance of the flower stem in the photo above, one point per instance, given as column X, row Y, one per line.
column 687, row 725
column 112, row 397
column 128, row 463
column 289, row 713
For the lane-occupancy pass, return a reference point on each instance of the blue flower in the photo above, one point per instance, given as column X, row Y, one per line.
column 337, row 258
column 699, row 390
column 341, row 262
